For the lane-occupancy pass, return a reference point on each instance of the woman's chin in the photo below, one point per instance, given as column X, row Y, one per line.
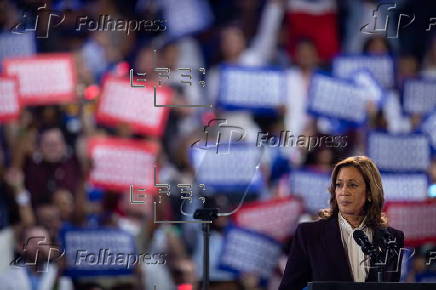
column 347, row 211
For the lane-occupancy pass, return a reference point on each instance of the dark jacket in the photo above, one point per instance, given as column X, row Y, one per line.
column 317, row 254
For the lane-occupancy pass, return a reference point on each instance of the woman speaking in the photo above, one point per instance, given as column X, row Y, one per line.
column 352, row 239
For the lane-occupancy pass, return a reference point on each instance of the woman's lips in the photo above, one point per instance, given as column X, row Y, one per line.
column 345, row 203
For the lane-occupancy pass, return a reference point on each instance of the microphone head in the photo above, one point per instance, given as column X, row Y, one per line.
column 388, row 240
column 362, row 240
column 387, row 236
column 360, row 237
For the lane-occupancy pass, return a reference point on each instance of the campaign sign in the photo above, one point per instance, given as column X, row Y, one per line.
column 416, row 219
column 186, row 17
column 405, row 187
column 399, row 152
column 312, row 187
column 381, row 67
column 336, row 98
column 98, row 252
column 373, row 91
column 15, row 45
column 260, row 90
column 419, row 96
column 428, row 127
column 135, row 106
column 119, row 163
column 235, row 171
column 275, row 218
column 9, row 101
column 43, row 79
column 245, row 251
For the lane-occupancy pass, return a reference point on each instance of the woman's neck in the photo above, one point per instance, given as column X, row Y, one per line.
column 353, row 220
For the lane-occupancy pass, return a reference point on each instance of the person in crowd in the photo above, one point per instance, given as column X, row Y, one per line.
column 50, row 167
column 377, row 45
column 36, row 266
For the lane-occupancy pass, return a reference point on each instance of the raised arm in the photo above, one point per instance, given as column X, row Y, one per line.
column 266, row 37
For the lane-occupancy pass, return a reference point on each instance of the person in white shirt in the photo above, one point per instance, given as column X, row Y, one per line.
column 326, row 250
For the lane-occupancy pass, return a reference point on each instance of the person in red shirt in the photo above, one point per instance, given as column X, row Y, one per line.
column 51, row 167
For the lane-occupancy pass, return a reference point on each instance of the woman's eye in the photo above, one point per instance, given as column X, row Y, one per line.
column 353, row 185
column 338, row 184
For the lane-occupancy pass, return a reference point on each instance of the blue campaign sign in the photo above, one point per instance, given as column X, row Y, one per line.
column 247, row 251
column 428, row 127
column 260, row 90
column 16, row 45
column 233, row 170
column 381, row 67
column 419, row 96
column 405, row 186
column 312, row 187
column 399, row 152
column 374, row 92
column 337, row 98
column 186, row 17
column 99, row 252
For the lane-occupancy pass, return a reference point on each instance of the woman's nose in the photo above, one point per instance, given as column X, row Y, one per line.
column 343, row 191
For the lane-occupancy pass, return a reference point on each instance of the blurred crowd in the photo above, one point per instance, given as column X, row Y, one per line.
column 43, row 161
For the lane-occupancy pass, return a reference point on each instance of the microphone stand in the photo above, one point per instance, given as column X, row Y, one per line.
column 206, row 214
column 373, row 252
column 376, row 256
column 380, row 274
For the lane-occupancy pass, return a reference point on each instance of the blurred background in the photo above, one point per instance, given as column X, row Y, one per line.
column 79, row 143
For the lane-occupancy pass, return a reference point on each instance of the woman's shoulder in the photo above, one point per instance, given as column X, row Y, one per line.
column 390, row 232
column 312, row 226
column 396, row 232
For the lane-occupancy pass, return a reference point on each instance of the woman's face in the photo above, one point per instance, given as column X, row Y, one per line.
column 350, row 191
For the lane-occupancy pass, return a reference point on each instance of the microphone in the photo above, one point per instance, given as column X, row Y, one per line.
column 389, row 241
column 366, row 246
column 389, row 246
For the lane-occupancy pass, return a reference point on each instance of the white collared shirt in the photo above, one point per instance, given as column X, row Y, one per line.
column 355, row 255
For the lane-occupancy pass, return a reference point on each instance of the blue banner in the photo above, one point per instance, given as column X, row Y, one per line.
column 399, row 152
column 312, row 187
column 246, row 251
column 373, row 90
column 235, row 170
column 16, row 45
column 405, row 187
column 260, row 90
column 382, row 67
column 419, row 96
column 428, row 127
column 99, row 252
column 337, row 98
column 186, row 17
